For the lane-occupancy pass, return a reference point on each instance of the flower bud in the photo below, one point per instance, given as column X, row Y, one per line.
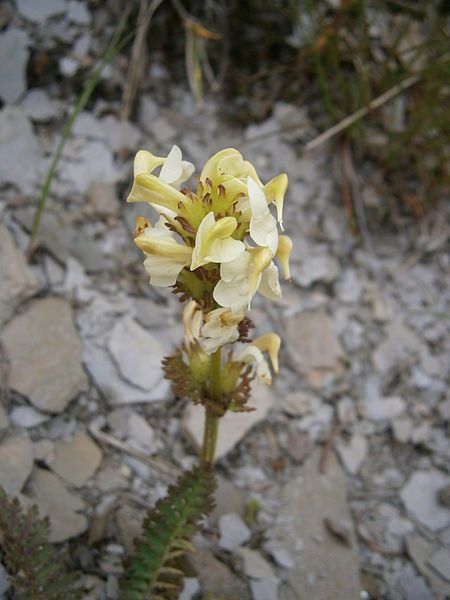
column 283, row 253
column 270, row 343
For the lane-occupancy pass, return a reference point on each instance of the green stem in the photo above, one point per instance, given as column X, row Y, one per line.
column 114, row 47
column 209, row 438
column 211, row 419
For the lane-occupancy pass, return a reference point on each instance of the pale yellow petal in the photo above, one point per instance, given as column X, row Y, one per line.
column 275, row 190
column 146, row 162
column 283, row 254
column 148, row 188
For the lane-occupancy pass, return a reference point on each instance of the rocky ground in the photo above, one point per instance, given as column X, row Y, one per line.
column 338, row 485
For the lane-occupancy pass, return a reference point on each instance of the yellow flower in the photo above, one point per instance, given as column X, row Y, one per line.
column 165, row 256
column 220, row 328
column 241, row 278
column 275, row 190
column 213, row 242
column 283, row 253
column 263, row 226
column 160, row 192
column 253, row 354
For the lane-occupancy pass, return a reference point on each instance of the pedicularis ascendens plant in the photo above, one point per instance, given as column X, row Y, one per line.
column 215, row 246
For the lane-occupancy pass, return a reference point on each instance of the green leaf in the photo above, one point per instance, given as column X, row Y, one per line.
column 167, row 530
column 36, row 569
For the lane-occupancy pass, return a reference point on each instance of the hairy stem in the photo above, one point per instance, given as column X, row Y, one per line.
column 211, row 419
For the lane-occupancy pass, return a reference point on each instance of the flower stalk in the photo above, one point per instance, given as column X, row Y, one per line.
column 217, row 246
column 211, row 427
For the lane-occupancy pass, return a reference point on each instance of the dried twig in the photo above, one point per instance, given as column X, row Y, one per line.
column 350, row 174
column 157, row 463
column 137, row 60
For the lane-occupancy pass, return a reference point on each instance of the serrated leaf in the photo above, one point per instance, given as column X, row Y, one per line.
column 166, row 533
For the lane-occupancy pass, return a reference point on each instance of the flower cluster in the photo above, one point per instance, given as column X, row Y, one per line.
column 216, row 245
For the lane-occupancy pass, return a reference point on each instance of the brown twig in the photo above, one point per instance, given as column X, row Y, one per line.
column 158, row 464
column 327, row 447
column 137, row 61
column 351, row 177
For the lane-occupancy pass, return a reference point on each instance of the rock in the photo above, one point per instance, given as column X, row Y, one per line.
column 216, row 579
column 45, row 355
column 299, row 445
column 412, row 585
column 112, row 478
column 4, row 583
column 265, row 589
column 318, row 423
column 58, row 504
column 402, row 429
column 296, row 404
column 115, row 390
column 27, row 417
column 191, row 587
column 162, row 130
column 314, row 268
column 148, row 111
column 233, row 532
column 137, row 354
column 420, row 497
column 44, row 451
column 324, row 566
column 16, row 462
column 88, row 126
column 120, row 135
column 348, row 288
column 383, row 526
column 320, row 352
column 346, row 411
column 440, row 562
column 422, row 552
column 18, row 147
column 383, row 409
column 444, row 496
column 18, row 281
column 129, row 522
column 281, row 555
column 39, row 12
column 254, row 565
column 40, row 107
column 13, row 62
column 141, row 435
column 4, row 421
column 68, row 66
column 103, row 200
column 233, row 426
column 78, row 13
column 399, row 345
column 77, row 460
column 87, row 163
column 353, row 453
column 228, row 498
column 444, row 410
column 293, row 121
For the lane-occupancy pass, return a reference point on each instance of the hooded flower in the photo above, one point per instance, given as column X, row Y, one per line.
column 283, row 254
column 160, row 192
column 213, row 242
column 263, row 226
column 165, row 256
column 253, row 354
column 220, row 328
column 241, row 278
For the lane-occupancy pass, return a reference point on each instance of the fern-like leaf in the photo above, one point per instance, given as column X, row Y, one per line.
column 36, row 568
column 153, row 571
